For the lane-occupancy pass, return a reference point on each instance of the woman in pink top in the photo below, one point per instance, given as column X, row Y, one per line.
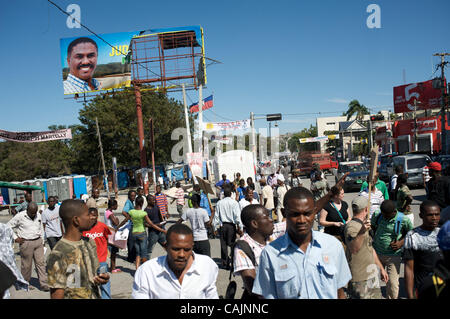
column 112, row 221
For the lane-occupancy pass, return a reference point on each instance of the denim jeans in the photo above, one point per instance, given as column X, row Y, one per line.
column 153, row 238
column 105, row 290
column 140, row 244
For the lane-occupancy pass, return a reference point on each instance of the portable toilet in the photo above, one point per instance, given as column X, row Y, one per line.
column 89, row 185
column 44, row 182
column 5, row 195
column 79, row 185
column 63, row 188
column 52, row 187
column 37, row 194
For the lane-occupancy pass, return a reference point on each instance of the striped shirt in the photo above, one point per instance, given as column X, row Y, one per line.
column 241, row 260
column 76, row 85
column 161, row 202
column 180, row 196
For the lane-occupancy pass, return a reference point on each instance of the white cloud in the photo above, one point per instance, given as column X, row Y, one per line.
column 338, row 100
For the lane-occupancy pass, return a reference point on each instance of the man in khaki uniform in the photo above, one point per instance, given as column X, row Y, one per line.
column 361, row 256
column 267, row 196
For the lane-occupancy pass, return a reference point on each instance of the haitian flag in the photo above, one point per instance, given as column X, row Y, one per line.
column 207, row 104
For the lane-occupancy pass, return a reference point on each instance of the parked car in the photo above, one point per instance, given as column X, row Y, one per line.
column 358, row 174
column 386, row 167
column 413, row 165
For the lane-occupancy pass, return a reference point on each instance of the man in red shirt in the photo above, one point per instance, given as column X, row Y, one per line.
column 99, row 233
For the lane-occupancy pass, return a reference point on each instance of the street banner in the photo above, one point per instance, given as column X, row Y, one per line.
column 313, row 139
column 426, row 96
column 207, row 104
column 195, row 162
column 222, row 126
column 32, row 137
column 90, row 64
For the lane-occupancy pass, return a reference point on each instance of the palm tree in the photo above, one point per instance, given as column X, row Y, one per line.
column 354, row 107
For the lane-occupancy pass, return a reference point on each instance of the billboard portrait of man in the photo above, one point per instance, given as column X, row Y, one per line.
column 82, row 55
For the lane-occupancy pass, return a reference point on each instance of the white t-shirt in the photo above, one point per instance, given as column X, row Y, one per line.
column 267, row 193
column 197, row 217
column 244, row 203
column 376, row 198
column 52, row 222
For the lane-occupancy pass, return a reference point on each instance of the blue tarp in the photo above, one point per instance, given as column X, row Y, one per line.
column 178, row 173
column 122, row 180
column 5, row 195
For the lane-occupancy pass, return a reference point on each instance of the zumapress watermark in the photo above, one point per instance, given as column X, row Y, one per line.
column 213, row 144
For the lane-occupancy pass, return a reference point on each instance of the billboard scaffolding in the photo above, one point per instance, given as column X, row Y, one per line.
column 167, row 58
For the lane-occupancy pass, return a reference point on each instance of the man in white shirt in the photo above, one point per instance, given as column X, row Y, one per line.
column 199, row 219
column 248, row 199
column 29, row 233
column 52, row 223
column 181, row 274
column 376, row 199
column 227, row 217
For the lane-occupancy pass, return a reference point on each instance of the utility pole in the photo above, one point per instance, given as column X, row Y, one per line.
column 443, row 106
column 140, row 125
column 200, row 118
column 188, row 130
column 103, row 160
column 152, row 141
column 252, row 137
column 415, row 125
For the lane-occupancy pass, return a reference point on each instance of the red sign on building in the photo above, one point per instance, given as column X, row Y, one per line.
column 427, row 97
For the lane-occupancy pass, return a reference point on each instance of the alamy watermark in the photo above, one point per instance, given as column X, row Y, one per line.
column 74, row 19
column 214, row 144
column 374, row 19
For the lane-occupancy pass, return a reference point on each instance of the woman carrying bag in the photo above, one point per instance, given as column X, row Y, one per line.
column 335, row 214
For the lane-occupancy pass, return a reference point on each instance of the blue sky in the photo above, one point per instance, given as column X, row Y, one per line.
column 280, row 56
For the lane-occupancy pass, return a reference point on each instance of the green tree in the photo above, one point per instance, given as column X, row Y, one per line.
column 355, row 108
column 22, row 161
column 294, row 143
column 118, row 129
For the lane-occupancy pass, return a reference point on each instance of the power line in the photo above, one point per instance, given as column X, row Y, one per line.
column 66, row 13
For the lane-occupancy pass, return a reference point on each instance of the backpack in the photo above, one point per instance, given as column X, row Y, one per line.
column 245, row 247
column 397, row 225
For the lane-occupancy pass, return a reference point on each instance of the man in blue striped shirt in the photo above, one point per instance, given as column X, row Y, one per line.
column 82, row 55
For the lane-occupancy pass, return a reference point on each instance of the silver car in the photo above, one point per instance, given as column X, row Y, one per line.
column 413, row 165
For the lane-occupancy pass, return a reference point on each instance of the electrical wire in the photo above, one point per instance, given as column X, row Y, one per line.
column 69, row 15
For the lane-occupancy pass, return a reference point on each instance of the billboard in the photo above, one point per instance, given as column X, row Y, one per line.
column 423, row 92
column 90, row 64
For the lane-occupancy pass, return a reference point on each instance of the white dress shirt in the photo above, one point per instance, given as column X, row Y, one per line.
column 25, row 227
column 155, row 280
column 227, row 211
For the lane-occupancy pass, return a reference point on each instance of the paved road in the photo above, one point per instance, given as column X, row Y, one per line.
column 121, row 283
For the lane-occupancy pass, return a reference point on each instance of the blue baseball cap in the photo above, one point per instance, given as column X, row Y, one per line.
column 443, row 237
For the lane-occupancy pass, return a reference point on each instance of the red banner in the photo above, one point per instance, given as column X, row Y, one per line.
column 422, row 92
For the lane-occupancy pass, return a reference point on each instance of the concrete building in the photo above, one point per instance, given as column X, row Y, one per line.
column 333, row 124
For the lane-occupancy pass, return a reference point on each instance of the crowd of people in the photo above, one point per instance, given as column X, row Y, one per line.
column 284, row 240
